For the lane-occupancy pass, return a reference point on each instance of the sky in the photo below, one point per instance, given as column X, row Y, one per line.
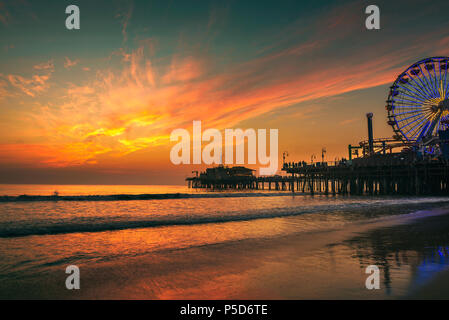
column 97, row 105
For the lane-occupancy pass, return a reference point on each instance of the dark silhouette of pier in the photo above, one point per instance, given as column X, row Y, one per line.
column 416, row 170
column 388, row 174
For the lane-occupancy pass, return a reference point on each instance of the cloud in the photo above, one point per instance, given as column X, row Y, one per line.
column 143, row 143
column 349, row 121
column 47, row 155
column 68, row 64
column 137, row 107
column 3, row 89
column 124, row 16
column 126, row 110
column 45, row 66
column 30, row 86
column 105, row 132
column 182, row 70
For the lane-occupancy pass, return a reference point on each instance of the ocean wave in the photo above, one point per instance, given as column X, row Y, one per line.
column 128, row 197
column 11, row 230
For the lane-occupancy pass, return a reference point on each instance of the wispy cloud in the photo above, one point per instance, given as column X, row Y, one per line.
column 70, row 63
column 49, row 65
column 124, row 16
column 3, row 89
column 348, row 121
column 124, row 110
column 30, row 86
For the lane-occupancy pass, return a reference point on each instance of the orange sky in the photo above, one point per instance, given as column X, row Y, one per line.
column 103, row 114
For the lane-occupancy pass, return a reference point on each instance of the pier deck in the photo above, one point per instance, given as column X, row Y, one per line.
column 381, row 176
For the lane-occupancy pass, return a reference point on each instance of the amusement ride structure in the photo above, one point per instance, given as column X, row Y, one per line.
column 418, row 111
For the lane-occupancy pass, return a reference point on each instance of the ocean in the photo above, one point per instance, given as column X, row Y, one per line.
column 190, row 244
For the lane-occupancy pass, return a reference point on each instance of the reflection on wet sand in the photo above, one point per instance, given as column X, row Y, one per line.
column 422, row 246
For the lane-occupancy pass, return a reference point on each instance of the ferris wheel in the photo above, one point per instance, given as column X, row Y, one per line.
column 418, row 102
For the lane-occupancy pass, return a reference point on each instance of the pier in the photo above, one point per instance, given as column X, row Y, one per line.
column 388, row 175
column 374, row 166
column 419, row 168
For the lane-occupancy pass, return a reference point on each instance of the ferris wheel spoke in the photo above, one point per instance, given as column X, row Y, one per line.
column 425, row 116
column 407, row 112
column 418, row 87
column 432, row 78
column 440, row 79
column 405, row 107
column 419, row 128
column 445, row 79
column 425, row 85
column 407, row 118
column 403, row 101
column 446, row 90
column 410, row 123
column 420, row 131
column 434, row 122
column 430, row 89
column 404, row 121
column 437, row 80
column 427, row 81
column 415, row 108
column 412, row 94
column 420, row 108
column 443, row 82
column 446, row 83
column 415, row 86
column 417, row 125
column 423, row 90
column 416, row 92
column 443, row 75
column 413, row 97
column 407, row 104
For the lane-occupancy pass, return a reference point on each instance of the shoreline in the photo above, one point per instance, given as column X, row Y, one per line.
column 356, row 204
column 154, row 196
column 317, row 265
column 205, row 195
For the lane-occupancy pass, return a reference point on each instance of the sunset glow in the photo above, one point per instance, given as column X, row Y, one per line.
column 82, row 105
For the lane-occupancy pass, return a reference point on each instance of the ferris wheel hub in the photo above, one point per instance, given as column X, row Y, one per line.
column 444, row 105
column 441, row 106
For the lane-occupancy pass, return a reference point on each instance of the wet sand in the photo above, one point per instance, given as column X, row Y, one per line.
column 436, row 289
column 316, row 265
